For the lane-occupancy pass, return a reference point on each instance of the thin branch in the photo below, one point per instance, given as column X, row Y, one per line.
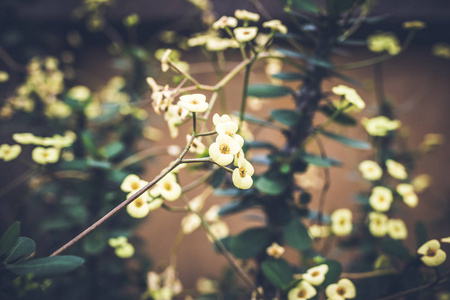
column 327, row 184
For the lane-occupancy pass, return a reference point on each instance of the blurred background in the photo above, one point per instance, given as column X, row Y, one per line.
column 417, row 82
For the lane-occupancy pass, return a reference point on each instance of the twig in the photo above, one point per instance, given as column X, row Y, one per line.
column 327, row 184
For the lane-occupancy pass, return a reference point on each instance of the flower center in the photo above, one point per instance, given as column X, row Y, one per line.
column 224, row 149
column 431, row 253
column 340, row 291
column 242, row 172
column 194, row 101
column 315, row 273
column 7, row 151
column 167, row 186
column 342, row 222
column 301, row 294
column 381, row 198
column 138, row 202
column 44, row 155
column 135, row 185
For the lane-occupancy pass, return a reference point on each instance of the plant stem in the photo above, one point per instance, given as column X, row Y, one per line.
column 244, row 94
column 194, row 123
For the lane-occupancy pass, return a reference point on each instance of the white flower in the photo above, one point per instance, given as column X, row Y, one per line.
column 243, row 14
column 304, row 290
column 218, row 44
column 396, row 170
column 132, row 183
column 165, row 60
column 381, row 198
column 370, row 170
column 316, row 275
column 45, row 155
column 125, row 250
column 225, row 21
column 194, row 102
column 8, row 152
column 169, row 187
column 379, row 126
column 343, row 289
column 275, row 25
column 317, row 231
column 406, row 190
column 397, row 229
column 275, row 250
column 79, row 93
column 219, row 230
column 341, row 222
column 138, row 208
column 245, row 34
column 222, row 151
column 350, row 95
column 378, row 225
column 212, row 214
column 190, row 222
column 197, row 146
column 242, row 175
column 432, row 253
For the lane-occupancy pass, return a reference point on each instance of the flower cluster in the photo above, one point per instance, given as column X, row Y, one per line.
column 380, row 225
column 386, row 41
column 380, row 126
column 163, row 286
column 350, row 95
column 305, row 288
column 122, row 247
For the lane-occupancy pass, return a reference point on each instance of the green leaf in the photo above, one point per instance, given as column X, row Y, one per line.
column 47, row 266
column 395, row 248
column 278, row 272
column 286, row 116
column 271, row 185
column 304, row 5
column 88, row 142
column 421, row 233
column 250, row 243
column 320, row 161
column 94, row 243
column 312, row 60
column 357, row 144
column 289, row 76
column 23, row 248
column 342, row 119
column 334, row 271
column 9, row 238
column 259, row 145
column 296, row 235
column 217, row 178
column 231, row 192
column 268, row 91
column 113, row 150
column 98, row 164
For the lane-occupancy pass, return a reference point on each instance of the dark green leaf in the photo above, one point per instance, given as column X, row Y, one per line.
column 237, row 206
column 395, row 248
column 320, row 161
column 271, row 185
column 421, row 233
column 57, row 223
column 268, row 91
column 312, row 60
column 278, row 272
column 94, row 243
column 117, row 175
column 289, row 76
column 9, row 238
column 347, row 79
column 231, row 192
column 286, row 116
column 47, row 266
column 347, row 141
column 250, row 243
column 352, row 42
column 342, row 119
column 76, row 164
column 113, row 149
column 304, row 5
column 217, row 178
column 296, row 235
column 259, row 145
column 23, row 248
column 88, row 142
column 98, row 164
column 337, row 7
column 334, row 271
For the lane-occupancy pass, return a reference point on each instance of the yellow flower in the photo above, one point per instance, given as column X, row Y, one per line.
column 45, row 155
column 370, row 170
column 386, row 41
column 4, row 76
column 378, row 225
column 396, row 170
column 275, row 25
column 406, row 190
column 350, row 95
column 225, row 21
column 116, row 242
column 124, row 251
column 316, row 231
column 421, row 182
column 379, row 126
column 343, row 289
column 194, row 102
column 243, row 14
column 275, row 250
column 79, row 93
column 139, row 208
column 397, row 229
column 245, row 34
column 197, row 146
column 432, row 254
column 381, row 198
column 316, row 275
column 58, row 109
column 341, row 222
column 25, row 138
column 304, row 290
column 9, row 152
column 222, row 151
column 132, row 183
column 242, row 175
column 414, row 24
column 169, row 187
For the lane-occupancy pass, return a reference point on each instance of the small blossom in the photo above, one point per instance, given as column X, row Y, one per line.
column 446, row 240
column 381, row 198
column 132, row 183
column 218, row 44
column 194, row 102
column 122, row 247
column 350, row 95
column 316, row 275
column 421, row 182
column 370, row 170
column 343, row 289
column 58, row 109
column 169, row 187
column 4, row 76
column 9, row 152
column 212, row 214
column 341, row 222
column 79, row 93
column 219, row 230
column 197, row 146
column 222, row 151
column 245, row 34
column 406, row 190
column 206, row 286
column 275, row 250
column 432, row 254
column 414, row 24
column 304, row 290
column 243, row 14
column 138, row 208
column 190, row 222
column 275, row 25
column 379, row 126
column 116, row 242
column 45, row 155
column 319, row 231
column 441, row 50
column 397, row 229
column 242, row 175
column 225, row 21
column 378, row 225
column 386, row 41
column 396, row 170
column 165, row 60
column 24, row 138
column 431, row 141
